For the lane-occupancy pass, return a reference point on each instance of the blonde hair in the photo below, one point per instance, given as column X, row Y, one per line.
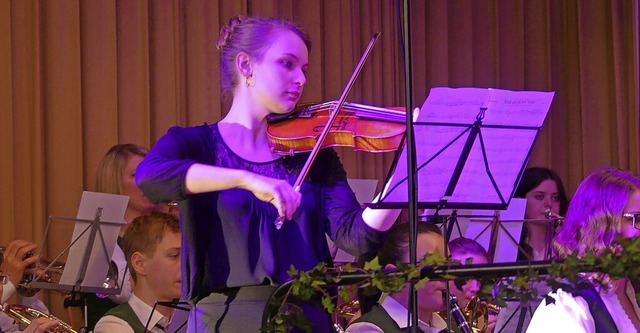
column 595, row 212
column 109, row 175
column 145, row 233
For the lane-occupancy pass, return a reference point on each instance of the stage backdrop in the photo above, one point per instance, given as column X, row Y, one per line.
column 77, row 77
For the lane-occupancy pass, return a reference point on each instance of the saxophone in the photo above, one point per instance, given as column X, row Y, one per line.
column 23, row 315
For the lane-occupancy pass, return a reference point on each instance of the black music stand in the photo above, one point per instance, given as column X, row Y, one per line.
column 87, row 260
column 472, row 145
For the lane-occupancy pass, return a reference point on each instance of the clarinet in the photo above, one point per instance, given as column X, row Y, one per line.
column 458, row 316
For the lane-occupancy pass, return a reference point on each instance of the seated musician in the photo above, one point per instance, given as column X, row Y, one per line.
column 14, row 261
column 468, row 251
column 604, row 206
column 152, row 247
column 391, row 314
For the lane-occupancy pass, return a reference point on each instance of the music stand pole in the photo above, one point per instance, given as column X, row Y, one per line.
column 411, row 162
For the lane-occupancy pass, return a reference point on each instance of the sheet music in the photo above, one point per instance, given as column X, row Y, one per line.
column 511, row 221
column 461, row 105
column 442, row 129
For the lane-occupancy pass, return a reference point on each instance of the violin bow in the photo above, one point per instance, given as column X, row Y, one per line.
column 332, row 118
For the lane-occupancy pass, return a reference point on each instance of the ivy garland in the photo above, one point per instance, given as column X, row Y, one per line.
column 622, row 259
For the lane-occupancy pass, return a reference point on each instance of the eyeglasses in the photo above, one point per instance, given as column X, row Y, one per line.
column 635, row 217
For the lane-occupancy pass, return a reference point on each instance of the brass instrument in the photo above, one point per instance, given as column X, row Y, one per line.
column 458, row 315
column 345, row 312
column 348, row 310
column 557, row 219
column 476, row 314
column 111, row 281
column 52, row 273
column 23, row 315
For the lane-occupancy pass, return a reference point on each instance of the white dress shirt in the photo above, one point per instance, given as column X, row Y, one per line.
column 571, row 314
column 399, row 314
column 113, row 324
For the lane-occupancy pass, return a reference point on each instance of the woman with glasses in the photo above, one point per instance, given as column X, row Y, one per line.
column 605, row 205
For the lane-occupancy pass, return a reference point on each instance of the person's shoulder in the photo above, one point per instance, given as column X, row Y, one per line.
column 112, row 324
column 192, row 130
column 201, row 134
column 363, row 327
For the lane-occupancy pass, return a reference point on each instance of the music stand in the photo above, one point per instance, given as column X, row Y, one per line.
column 472, row 145
column 88, row 256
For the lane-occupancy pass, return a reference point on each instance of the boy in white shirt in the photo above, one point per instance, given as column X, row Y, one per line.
column 152, row 247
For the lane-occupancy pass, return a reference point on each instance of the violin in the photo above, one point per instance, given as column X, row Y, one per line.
column 328, row 125
column 362, row 127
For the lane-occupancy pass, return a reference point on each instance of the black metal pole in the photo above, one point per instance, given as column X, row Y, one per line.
column 411, row 160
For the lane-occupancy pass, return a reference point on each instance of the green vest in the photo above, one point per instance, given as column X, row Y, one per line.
column 379, row 317
column 125, row 312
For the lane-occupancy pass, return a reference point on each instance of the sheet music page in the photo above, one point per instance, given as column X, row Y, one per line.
column 504, row 107
column 112, row 209
column 442, row 129
column 508, row 235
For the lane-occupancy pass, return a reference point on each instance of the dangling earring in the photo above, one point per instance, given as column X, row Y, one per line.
column 249, row 81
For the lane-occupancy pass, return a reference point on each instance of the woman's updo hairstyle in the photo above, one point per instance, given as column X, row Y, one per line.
column 253, row 36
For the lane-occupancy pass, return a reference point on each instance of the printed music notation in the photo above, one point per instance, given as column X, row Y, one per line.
column 510, row 124
column 504, row 107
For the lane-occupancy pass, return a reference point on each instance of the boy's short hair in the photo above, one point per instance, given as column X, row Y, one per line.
column 144, row 234
column 463, row 245
column 396, row 243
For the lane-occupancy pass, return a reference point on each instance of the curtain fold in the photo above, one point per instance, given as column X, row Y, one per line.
column 77, row 77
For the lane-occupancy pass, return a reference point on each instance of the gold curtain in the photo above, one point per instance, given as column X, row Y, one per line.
column 77, row 77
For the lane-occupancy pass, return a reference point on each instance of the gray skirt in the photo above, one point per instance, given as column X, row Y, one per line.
column 241, row 309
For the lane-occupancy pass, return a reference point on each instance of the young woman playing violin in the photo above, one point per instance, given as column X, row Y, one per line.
column 231, row 187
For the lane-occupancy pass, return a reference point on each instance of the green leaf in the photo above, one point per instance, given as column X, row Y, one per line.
column 328, row 304
column 292, row 271
column 372, row 265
